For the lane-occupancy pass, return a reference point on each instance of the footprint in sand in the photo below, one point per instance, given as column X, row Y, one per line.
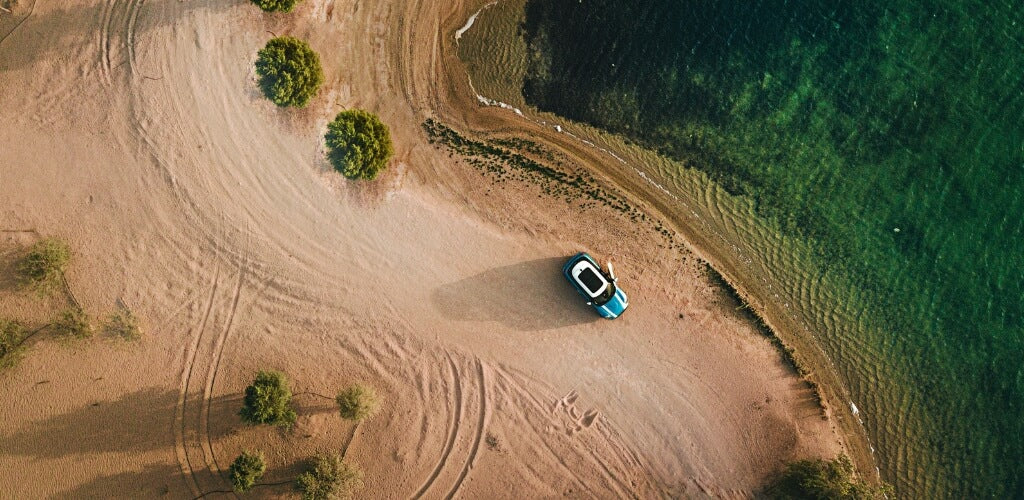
column 575, row 421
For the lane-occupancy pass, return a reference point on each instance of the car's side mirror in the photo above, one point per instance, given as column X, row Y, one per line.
column 590, row 303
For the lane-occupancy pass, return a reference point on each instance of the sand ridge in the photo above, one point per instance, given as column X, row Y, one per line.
column 134, row 130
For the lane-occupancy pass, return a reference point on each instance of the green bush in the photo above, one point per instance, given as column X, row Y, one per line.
column 72, row 322
column 328, row 477
column 357, row 402
column 821, row 479
column 268, row 400
column 276, row 5
column 11, row 335
column 42, row 269
column 289, row 71
column 124, row 325
column 246, row 470
column 358, row 144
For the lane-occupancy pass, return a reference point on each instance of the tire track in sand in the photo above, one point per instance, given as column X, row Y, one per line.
column 196, row 400
column 106, row 22
column 204, row 424
column 117, row 20
column 180, row 445
column 132, row 17
column 482, row 422
column 453, row 430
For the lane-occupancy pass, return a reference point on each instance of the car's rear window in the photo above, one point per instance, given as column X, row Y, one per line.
column 590, row 279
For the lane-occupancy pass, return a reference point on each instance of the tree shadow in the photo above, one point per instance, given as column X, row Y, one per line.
column 304, row 404
column 10, row 254
column 224, row 416
column 280, row 479
column 67, row 29
column 528, row 296
column 158, row 480
column 135, row 422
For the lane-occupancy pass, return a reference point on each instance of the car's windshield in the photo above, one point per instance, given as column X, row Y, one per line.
column 590, row 279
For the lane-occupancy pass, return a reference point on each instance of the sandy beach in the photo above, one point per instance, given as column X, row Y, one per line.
column 135, row 131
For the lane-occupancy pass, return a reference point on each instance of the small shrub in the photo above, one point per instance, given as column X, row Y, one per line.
column 357, row 402
column 42, row 269
column 11, row 335
column 492, row 442
column 124, row 325
column 358, row 144
column 246, row 470
column 289, row 71
column 268, row 400
column 72, row 322
column 329, row 477
column 832, row 479
column 276, row 5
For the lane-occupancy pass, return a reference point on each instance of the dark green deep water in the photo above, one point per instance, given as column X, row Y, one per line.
column 888, row 134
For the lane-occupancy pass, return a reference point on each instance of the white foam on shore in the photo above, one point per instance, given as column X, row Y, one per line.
column 469, row 22
column 487, row 101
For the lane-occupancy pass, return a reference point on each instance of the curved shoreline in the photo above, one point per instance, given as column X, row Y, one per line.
column 657, row 199
column 215, row 215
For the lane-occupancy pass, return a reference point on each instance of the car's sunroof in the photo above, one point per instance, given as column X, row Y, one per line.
column 590, row 279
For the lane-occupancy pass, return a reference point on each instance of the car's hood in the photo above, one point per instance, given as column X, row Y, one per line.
column 613, row 308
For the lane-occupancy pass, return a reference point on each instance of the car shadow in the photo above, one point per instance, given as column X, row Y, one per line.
column 527, row 296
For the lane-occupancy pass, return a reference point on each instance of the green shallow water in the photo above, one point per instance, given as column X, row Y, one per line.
column 882, row 145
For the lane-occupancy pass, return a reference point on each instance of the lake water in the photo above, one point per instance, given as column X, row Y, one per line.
column 886, row 140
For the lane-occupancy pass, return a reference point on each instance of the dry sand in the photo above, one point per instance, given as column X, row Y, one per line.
column 134, row 130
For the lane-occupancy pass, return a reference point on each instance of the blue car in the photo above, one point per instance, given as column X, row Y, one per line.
column 598, row 288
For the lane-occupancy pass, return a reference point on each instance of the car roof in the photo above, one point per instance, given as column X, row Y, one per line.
column 584, row 273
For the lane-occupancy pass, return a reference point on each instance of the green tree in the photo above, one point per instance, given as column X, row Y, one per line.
column 328, row 476
column 823, row 480
column 42, row 268
column 358, row 144
column 246, row 470
column 289, row 71
column 268, row 400
column 357, row 402
column 276, row 5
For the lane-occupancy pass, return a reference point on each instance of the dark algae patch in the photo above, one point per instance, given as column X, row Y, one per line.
column 888, row 135
column 788, row 354
column 504, row 159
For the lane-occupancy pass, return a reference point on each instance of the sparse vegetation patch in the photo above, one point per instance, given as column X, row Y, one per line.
column 276, row 5
column 826, row 479
column 748, row 313
column 72, row 323
column 329, row 477
column 12, row 334
column 289, row 71
column 357, row 402
column 123, row 325
column 504, row 159
column 42, row 268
